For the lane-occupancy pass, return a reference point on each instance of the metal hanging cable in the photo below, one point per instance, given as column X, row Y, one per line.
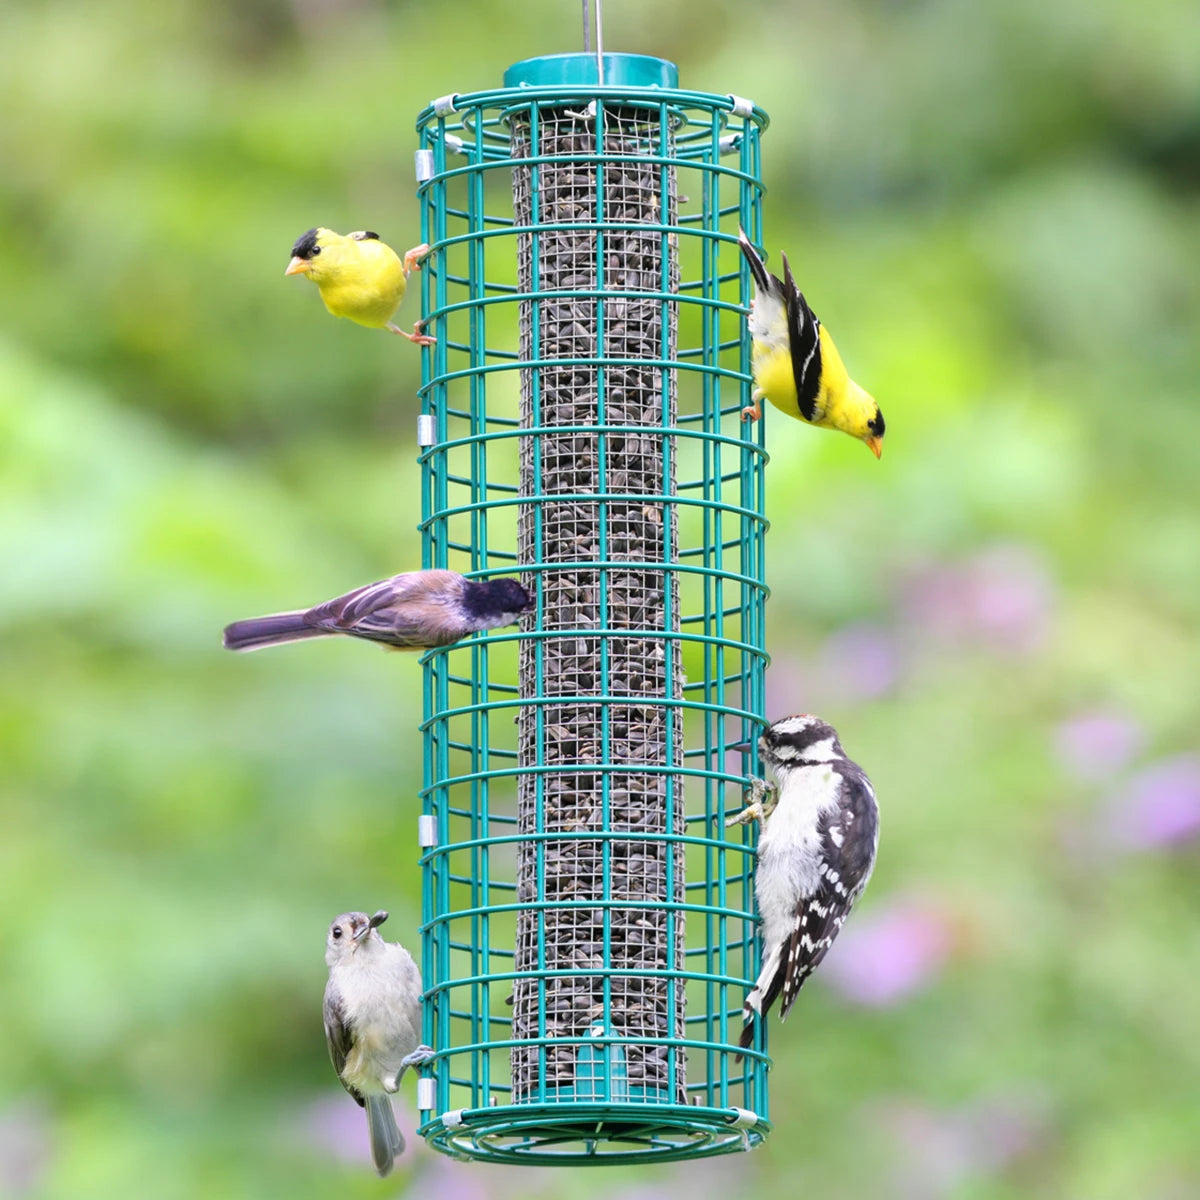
column 599, row 41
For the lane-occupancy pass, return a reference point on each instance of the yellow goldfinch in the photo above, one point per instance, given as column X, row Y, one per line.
column 796, row 365
column 358, row 276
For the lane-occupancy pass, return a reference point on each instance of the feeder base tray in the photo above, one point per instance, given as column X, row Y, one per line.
column 593, row 1134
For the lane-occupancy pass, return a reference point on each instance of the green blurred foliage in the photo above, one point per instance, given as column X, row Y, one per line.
column 995, row 208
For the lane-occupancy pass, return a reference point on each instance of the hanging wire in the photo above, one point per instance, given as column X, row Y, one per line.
column 587, row 27
column 599, row 41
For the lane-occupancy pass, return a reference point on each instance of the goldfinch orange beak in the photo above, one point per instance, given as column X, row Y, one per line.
column 876, row 445
column 298, row 266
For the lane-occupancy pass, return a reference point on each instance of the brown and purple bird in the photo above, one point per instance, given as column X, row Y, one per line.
column 416, row 610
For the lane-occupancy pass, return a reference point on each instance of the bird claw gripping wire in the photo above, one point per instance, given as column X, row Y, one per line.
column 414, row 257
column 412, row 262
column 418, row 337
column 763, row 798
column 753, row 410
column 422, row 1054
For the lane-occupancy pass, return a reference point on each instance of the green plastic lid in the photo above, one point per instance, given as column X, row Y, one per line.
column 620, row 70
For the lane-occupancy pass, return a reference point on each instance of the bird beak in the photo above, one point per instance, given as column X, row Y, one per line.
column 874, row 444
column 363, row 933
column 298, row 266
column 742, row 747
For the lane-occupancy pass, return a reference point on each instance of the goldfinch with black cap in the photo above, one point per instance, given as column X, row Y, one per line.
column 795, row 363
column 359, row 276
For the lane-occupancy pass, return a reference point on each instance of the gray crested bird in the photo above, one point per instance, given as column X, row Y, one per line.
column 372, row 1022
column 416, row 610
column 820, row 833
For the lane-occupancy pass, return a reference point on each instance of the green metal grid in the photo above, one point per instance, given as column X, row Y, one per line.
column 705, row 148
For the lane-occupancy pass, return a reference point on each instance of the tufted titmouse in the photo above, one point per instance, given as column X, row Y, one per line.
column 372, row 1022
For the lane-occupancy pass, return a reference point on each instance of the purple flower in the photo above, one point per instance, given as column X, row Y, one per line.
column 1001, row 597
column 26, row 1147
column 453, row 1181
column 1092, row 745
column 1159, row 807
column 335, row 1124
column 882, row 958
column 1011, row 595
column 858, row 662
column 448, row 1180
column 644, row 1191
column 940, row 1149
column 932, row 599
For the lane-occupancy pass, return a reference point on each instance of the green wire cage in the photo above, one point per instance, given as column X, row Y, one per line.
column 589, row 930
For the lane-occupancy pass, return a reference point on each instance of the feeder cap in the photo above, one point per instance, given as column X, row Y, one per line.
column 579, row 70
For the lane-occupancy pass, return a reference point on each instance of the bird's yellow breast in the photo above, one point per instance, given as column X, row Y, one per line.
column 363, row 281
column 774, row 376
column 840, row 403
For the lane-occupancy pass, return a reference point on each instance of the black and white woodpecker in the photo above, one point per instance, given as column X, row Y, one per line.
column 820, row 832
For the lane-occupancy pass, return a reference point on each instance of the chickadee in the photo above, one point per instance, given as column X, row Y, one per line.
column 796, row 365
column 372, row 1022
column 413, row 611
column 815, row 854
column 359, row 276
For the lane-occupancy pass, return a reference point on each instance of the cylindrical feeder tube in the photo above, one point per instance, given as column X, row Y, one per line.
column 597, row 417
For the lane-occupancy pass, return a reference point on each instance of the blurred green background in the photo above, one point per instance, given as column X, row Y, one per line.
column 994, row 206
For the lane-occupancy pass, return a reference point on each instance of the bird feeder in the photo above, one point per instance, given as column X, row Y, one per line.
column 589, row 930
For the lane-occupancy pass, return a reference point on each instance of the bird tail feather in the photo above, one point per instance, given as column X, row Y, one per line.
column 759, row 998
column 274, row 630
column 386, row 1140
column 758, row 268
column 751, row 1010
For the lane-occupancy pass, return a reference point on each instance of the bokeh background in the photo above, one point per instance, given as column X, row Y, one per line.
column 995, row 206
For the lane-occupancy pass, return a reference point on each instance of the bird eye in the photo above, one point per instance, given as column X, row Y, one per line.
column 315, row 251
column 337, row 931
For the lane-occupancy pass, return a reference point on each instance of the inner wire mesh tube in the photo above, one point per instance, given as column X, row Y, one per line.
column 597, row 754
